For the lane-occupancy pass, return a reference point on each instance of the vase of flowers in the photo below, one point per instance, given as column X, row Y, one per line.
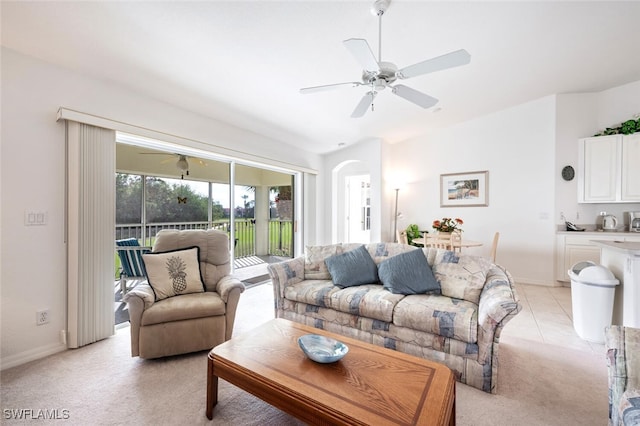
column 447, row 225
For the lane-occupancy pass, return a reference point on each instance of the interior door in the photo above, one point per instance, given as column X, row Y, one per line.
column 358, row 214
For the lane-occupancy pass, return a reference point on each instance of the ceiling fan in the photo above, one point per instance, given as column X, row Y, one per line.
column 182, row 164
column 378, row 75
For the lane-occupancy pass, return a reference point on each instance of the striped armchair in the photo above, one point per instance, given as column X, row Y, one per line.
column 623, row 362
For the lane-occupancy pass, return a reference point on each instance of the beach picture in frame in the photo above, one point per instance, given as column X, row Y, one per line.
column 464, row 189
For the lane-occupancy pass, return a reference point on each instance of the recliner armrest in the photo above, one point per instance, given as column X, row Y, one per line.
column 142, row 291
column 226, row 285
column 138, row 300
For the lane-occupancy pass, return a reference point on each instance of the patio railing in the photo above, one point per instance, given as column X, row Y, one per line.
column 280, row 234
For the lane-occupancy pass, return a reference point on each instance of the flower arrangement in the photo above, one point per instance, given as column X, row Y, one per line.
column 447, row 224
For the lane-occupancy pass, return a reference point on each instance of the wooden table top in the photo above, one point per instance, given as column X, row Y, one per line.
column 463, row 243
column 370, row 385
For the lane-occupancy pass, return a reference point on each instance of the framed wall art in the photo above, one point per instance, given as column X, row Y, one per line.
column 470, row 189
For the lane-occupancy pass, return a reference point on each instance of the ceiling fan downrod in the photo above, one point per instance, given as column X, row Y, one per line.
column 378, row 9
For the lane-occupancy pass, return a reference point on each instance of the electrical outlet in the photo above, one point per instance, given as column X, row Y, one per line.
column 42, row 317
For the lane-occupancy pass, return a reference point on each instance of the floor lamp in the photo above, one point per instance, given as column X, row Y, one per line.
column 395, row 219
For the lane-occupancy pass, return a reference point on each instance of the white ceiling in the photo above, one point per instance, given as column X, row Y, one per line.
column 243, row 62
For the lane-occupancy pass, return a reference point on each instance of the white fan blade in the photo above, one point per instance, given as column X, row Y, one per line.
column 412, row 95
column 363, row 106
column 315, row 89
column 449, row 60
column 360, row 49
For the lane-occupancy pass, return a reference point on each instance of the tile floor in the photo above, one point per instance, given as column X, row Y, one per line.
column 546, row 317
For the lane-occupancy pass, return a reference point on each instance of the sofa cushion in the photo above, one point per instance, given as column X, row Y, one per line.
column 441, row 315
column 174, row 272
column 408, row 273
column 311, row 292
column 382, row 251
column 370, row 300
column 314, row 257
column 355, row 267
column 462, row 277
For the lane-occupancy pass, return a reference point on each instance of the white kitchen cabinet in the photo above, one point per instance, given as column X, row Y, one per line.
column 574, row 247
column 609, row 169
column 571, row 250
column 631, row 167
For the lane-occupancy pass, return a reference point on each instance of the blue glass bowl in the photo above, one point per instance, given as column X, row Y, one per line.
column 322, row 349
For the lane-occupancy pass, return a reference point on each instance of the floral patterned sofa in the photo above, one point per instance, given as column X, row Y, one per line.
column 623, row 363
column 458, row 324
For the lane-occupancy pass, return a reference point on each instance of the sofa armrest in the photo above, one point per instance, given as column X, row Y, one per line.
column 622, row 345
column 286, row 273
column 499, row 303
column 226, row 285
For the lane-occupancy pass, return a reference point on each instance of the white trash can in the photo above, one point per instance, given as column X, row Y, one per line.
column 593, row 289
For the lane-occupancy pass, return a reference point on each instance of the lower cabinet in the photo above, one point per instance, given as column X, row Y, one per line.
column 571, row 249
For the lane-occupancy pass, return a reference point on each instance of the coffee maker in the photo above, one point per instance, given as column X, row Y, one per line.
column 634, row 221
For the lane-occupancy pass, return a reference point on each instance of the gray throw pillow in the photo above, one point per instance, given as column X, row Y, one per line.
column 355, row 267
column 408, row 273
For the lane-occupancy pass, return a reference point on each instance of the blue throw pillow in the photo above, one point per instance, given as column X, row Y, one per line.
column 408, row 273
column 355, row 267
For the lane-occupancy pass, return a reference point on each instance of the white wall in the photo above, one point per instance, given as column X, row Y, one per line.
column 517, row 147
column 33, row 274
column 524, row 148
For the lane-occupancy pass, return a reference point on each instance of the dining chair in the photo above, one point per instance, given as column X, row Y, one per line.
column 401, row 236
column 494, row 247
column 456, row 241
column 439, row 241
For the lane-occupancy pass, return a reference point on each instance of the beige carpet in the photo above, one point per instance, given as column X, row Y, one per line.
column 101, row 384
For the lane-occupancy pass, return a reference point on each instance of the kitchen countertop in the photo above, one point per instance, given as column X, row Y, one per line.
column 628, row 246
column 592, row 231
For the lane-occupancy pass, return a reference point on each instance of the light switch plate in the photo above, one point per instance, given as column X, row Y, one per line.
column 35, row 218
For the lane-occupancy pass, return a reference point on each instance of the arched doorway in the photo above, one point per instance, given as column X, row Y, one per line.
column 351, row 201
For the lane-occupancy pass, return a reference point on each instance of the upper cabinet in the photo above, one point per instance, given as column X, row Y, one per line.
column 609, row 169
column 631, row 167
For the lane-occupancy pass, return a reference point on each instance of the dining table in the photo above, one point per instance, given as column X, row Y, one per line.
column 456, row 244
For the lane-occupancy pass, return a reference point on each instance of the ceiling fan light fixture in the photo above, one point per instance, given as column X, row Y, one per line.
column 182, row 164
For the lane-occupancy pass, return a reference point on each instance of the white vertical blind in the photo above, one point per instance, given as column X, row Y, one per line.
column 90, row 235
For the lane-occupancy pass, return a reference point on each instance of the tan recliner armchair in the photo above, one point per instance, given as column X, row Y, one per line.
column 187, row 322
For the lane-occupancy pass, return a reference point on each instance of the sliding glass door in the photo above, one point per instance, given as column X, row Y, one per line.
column 183, row 192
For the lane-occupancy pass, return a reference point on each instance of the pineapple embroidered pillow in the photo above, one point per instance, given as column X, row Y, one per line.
column 174, row 272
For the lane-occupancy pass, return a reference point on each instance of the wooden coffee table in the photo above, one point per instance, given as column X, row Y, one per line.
column 369, row 386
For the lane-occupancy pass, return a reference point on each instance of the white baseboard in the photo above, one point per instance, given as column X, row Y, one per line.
column 529, row 281
column 31, row 355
